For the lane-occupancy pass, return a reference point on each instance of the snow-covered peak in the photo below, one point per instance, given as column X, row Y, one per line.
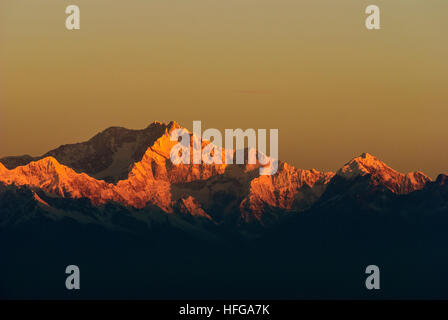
column 381, row 173
column 362, row 165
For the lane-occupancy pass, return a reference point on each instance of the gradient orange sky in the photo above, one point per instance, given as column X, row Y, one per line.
column 309, row 68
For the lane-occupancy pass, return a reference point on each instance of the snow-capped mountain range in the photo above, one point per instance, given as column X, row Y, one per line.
column 133, row 168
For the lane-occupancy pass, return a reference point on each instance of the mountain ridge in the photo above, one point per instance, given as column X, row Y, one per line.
column 198, row 189
column 400, row 183
column 106, row 156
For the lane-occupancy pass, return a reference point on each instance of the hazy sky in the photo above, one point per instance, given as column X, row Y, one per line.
column 309, row 68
